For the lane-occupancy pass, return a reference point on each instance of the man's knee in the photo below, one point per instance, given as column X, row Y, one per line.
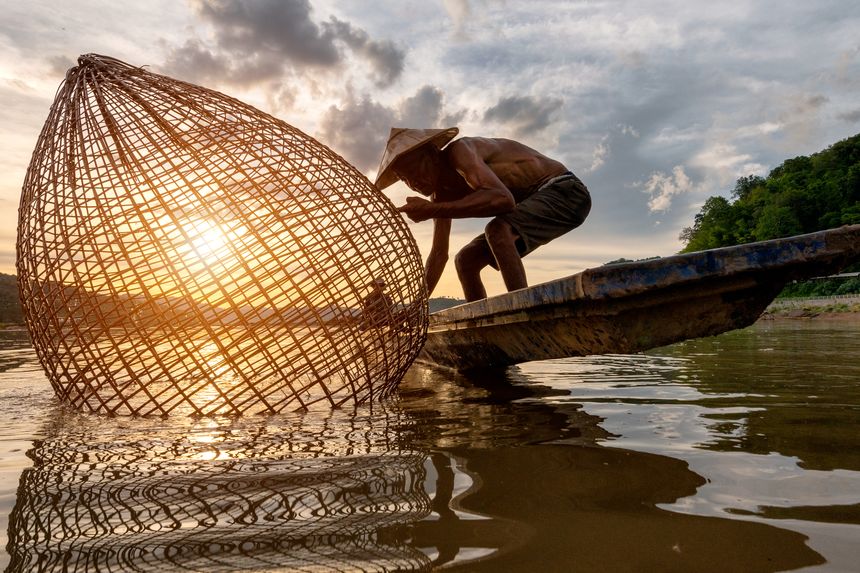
column 499, row 233
column 469, row 260
column 463, row 262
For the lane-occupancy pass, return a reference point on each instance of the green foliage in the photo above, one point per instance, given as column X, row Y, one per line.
column 712, row 226
column 851, row 286
column 822, row 287
column 803, row 195
column 776, row 221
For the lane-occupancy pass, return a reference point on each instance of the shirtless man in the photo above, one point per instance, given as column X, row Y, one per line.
column 532, row 199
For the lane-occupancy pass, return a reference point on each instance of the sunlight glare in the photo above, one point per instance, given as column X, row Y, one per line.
column 208, row 240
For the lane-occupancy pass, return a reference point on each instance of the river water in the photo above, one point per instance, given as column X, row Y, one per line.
column 734, row 453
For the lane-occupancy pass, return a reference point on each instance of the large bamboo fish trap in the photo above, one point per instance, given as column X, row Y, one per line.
column 181, row 251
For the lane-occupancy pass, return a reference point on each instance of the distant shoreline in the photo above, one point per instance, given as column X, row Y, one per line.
column 835, row 316
column 844, row 308
column 829, row 307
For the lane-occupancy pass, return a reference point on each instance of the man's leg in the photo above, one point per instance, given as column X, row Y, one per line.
column 502, row 239
column 469, row 262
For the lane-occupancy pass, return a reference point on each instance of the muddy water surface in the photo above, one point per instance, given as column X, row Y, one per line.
column 734, row 453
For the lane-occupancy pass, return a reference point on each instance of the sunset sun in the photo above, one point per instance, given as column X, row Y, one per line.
column 209, row 241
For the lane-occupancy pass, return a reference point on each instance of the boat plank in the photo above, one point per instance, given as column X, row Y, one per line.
column 633, row 306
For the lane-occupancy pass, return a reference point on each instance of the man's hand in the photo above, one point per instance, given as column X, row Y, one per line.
column 418, row 209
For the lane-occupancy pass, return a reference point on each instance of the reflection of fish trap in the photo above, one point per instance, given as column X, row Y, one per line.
column 265, row 496
column 179, row 250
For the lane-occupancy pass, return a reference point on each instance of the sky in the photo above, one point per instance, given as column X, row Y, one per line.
column 656, row 105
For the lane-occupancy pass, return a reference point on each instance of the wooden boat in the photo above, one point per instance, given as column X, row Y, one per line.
column 634, row 306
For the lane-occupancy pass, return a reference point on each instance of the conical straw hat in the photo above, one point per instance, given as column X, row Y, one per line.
column 402, row 140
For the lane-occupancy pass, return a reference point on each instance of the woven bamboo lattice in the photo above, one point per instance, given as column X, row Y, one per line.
column 283, row 497
column 181, row 251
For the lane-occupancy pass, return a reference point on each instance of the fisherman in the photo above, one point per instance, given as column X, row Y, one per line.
column 533, row 199
column 379, row 311
column 377, row 306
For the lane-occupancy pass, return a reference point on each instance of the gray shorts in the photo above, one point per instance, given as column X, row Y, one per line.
column 561, row 205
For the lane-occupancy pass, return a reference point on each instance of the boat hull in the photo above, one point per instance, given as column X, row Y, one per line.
column 634, row 306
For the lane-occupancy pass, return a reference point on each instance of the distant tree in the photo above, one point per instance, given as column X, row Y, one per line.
column 803, row 195
column 622, row 260
column 822, row 287
column 850, row 215
column 712, row 227
column 443, row 302
column 776, row 221
column 746, row 185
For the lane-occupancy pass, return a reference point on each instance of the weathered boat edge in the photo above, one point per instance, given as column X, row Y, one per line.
column 629, row 307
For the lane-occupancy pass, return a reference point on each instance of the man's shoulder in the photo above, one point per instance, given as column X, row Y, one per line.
column 480, row 146
column 472, row 140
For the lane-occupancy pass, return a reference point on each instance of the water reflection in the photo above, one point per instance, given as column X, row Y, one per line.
column 577, row 505
column 16, row 350
column 782, row 387
column 139, row 495
column 498, row 472
column 798, row 385
column 769, row 415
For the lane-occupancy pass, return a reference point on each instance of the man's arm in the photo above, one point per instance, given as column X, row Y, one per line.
column 438, row 257
column 489, row 196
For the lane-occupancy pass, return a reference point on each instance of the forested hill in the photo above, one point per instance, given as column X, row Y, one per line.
column 803, row 195
column 10, row 307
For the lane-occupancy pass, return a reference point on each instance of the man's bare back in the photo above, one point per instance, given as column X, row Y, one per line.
column 473, row 177
column 519, row 167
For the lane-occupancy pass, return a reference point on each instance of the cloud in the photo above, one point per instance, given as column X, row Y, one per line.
column 459, row 11
column 21, row 115
column 385, row 58
column 358, row 128
column 193, row 61
column 424, row 109
column 263, row 40
column 759, row 129
column 632, row 58
column 628, row 130
column 7, row 258
column 799, row 118
column 721, row 156
column 58, row 65
column 853, row 115
column 282, row 27
column 808, row 104
column 601, row 152
column 663, row 187
column 725, row 163
column 846, row 67
column 524, row 114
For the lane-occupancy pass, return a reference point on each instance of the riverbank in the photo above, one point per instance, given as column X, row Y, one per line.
column 839, row 307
